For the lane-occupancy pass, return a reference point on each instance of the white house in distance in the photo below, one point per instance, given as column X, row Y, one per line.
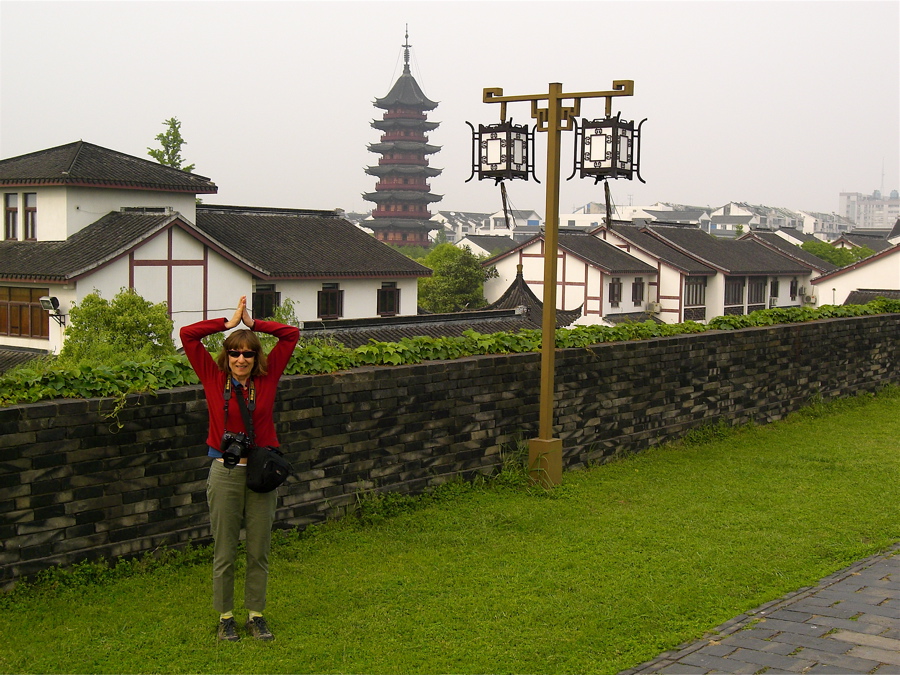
column 459, row 224
column 668, row 272
column 680, row 292
column 486, row 245
column 80, row 218
column 606, row 283
column 749, row 275
column 879, row 272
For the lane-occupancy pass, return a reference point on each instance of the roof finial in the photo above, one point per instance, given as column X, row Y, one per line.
column 406, row 52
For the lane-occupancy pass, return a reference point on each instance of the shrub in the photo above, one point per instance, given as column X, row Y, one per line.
column 47, row 379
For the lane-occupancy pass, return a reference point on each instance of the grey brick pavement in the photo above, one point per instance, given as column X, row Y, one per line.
column 848, row 624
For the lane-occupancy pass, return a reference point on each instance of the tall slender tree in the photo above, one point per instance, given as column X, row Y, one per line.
column 171, row 142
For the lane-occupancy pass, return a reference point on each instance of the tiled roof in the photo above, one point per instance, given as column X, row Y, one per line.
column 354, row 333
column 297, row 244
column 632, row 317
column 85, row 164
column 402, row 169
column 660, row 250
column 877, row 232
column 406, row 92
column 731, row 220
column 775, row 241
column 794, row 233
column 11, row 357
column 676, row 216
column 490, row 243
column 519, row 294
column 87, row 249
column 470, row 218
column 285, row 244
column 865, row 295
column 731, row 256
column 877, row 243
column 379, row 223
column 895, row 231
column 505, row 316
column 599, row 253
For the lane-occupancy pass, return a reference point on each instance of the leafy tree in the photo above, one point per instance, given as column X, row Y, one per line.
column 834, row 255
column 457, row 282
column 171, row 141
column 108, row 332
column 416, row 253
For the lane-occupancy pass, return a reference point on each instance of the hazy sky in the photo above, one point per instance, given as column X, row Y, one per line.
column 777, row 103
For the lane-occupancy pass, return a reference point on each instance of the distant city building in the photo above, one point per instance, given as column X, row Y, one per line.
column 825, row 226
column 870, row 210
column 459, row 224
column 402, row 194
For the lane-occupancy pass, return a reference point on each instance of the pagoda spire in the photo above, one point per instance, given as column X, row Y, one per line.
column 406, row 46
column 402, row 194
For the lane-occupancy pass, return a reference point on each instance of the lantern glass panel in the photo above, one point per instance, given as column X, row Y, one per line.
column 494, row 151
column 518, row 151
column 599, row 150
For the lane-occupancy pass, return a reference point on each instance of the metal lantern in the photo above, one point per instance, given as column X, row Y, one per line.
column 502, row 151
column 608, row 148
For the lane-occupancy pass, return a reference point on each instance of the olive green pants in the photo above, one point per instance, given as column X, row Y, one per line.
column 233, row 505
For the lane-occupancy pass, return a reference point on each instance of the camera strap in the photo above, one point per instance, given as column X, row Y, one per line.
column 246, row 407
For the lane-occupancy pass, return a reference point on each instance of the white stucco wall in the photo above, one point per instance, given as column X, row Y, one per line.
column 87, row 205
column 51, row 212
column 360, row 296
column 63, row 211
column 579, row 284
column 881, row 273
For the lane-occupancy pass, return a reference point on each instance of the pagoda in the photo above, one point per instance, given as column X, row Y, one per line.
column 402, row 194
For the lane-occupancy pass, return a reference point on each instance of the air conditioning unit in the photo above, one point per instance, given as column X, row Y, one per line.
column 773, row 302
column 654, row 307
column 810, row 299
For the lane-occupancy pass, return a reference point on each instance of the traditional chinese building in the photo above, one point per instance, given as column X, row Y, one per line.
column 402, row 194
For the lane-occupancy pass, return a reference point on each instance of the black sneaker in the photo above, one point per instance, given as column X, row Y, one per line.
column 258, row 629
column 228, row 630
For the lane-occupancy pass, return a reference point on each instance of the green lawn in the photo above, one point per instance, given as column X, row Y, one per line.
column 620, row 563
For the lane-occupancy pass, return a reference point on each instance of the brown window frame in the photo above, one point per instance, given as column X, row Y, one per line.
column 388, row 301
column 11, row 216
column 732, row 285
column 330, row 302
column 695, row 292
column 21, row 314
column 637, row 291
column 30, row 217
column 615, row 292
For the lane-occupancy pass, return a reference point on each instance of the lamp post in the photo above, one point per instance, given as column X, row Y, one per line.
column 545, row 451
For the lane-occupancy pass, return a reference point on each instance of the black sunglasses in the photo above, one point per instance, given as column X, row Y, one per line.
column 233, row 353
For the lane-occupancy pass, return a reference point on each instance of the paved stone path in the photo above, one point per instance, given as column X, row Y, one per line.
column 848, row 624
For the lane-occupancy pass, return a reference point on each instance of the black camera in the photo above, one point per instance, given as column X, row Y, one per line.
column 234, row 446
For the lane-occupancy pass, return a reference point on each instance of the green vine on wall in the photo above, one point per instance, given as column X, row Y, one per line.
column 45, row 379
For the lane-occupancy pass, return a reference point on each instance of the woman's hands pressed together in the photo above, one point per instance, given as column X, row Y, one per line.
column 241, row 315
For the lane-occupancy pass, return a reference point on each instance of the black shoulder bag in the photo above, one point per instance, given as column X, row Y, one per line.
column 267, row 468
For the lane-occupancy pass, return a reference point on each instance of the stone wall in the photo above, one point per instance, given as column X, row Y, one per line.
column 81, row 479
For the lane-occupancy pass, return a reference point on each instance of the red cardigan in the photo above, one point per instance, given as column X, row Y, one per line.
column 213, row 380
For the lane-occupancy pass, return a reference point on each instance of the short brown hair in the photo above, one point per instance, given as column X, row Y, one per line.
column 244, row 340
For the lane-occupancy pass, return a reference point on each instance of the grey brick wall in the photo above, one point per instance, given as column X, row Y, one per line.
column 82, row 480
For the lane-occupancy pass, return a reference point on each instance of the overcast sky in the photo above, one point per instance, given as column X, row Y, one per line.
column 777, row 103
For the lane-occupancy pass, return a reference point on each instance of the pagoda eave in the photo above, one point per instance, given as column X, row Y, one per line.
column 406, row 197
column 400, row 224
column 404, row 146
column 400, row 123
column 403, row 170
